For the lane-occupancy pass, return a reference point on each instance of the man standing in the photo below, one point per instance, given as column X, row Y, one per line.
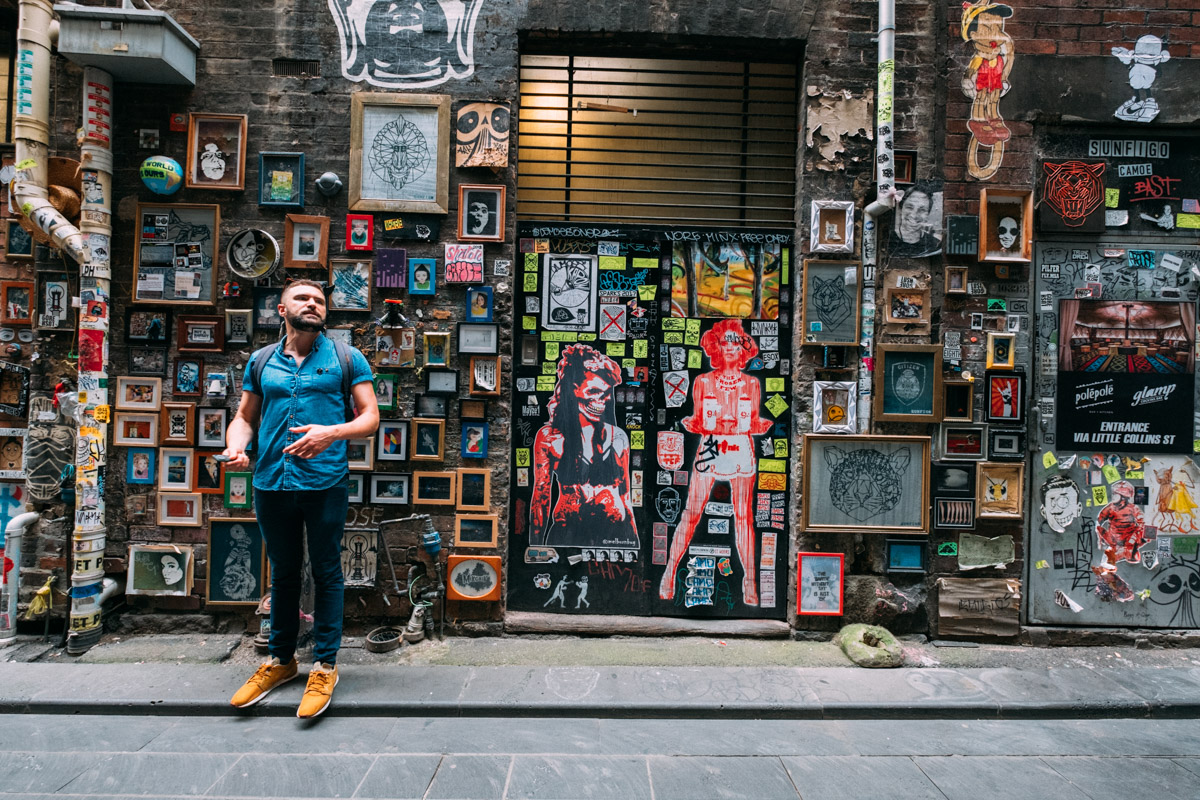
column 300, row 483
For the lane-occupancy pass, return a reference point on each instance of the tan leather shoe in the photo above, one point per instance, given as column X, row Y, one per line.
column 319, row 692
column 269, row 675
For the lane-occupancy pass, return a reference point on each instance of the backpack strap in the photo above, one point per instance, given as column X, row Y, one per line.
column 260, row 357
column 343, row 354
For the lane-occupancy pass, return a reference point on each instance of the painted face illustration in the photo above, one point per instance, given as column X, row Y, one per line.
column 1007, row 232
column 668, row 505
column 479, row 217
column 483, row 134
column 914, row 216
column 731, row 347
column 1060, row 502
column 172, row 573
column 212, row 162
column 594, row 395
column 245, row 251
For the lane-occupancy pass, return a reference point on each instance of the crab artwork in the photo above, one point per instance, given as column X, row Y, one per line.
column 1146, row 54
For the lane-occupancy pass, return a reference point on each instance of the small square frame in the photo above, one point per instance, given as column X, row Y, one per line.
column 171, row 409
column 188, row 326
column 957, row 513
column 994, row 205
column 198, row 390
column 436, row 345
column 886, row 353
column 392, row 440
column 148, row 361
column 12, row 312
column 11, row 225
column 828, row 415
column 1001, row 351
column 898, row 302
column 480, row 530
column 340, row 300
column 156, row 552
column 192, row 520
column 806, row 606
column 475, row 310
column 493, row 196
column 125, row 382
column 1004, row 397
column 472, row 409
column 293, row 226
column 203, row 459
column 431, row 405
column 428, row 488
column 367, row 462
column 991, row 506
column 356, row 487
column 387, row 390
column 423, row 453
column 482, row 339
column 955, row 280
column 151, row 456
column 430, row 266
column 466, row 474
column 963, row 442
column 270, row 163
column 404, row 480
column 899, row 552
column 198, row 131
column 831, row 229
column 120, row 420
column 165, row 482
column 484, row 377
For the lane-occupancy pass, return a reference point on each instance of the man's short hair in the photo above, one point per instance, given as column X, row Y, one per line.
column 300, row 282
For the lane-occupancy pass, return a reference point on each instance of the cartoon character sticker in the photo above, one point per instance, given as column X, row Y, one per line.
column 1147, row 54
column 986, row 81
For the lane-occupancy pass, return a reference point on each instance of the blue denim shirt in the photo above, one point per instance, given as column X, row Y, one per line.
column 308, row 394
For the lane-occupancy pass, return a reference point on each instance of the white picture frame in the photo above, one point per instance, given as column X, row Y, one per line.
column 176, row 469
column 835, row 407
column 211, row 424
column 384, row 488
column 831, row 227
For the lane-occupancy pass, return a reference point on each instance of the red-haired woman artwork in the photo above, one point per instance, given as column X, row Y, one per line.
column 725, row 403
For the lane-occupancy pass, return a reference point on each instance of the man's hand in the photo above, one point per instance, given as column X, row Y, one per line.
column 316, row 438
column 238, row 460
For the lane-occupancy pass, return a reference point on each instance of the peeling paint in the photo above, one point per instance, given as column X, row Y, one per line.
column 833, row 116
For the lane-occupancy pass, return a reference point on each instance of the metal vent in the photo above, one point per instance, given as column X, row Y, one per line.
column 295, row 68
column 657, row 141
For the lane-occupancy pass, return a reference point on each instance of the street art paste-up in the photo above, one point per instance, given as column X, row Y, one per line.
column 1121, row 527
column 1073, row 195
column 481, row 135
column 1171, row 499
column 582, row 452
column 1147, row 54
column 725, row 414
column 570, row 298
column 406, row 45
column 985, row 81
column 1061, row 505
column 49, row 448
column 1109, row 585
column 710, row 279
column 1177, row 586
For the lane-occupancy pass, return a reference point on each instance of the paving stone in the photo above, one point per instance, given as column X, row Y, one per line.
column 470, row 778
column 1190, row 764
column 290, row 775
column 988, row 778
column 486, row 736
column 274, row 735
column 855, row 777
column 55, row 733
column 685, row 778
column 578, row 778
column 1123, row 778
column 399, row 777
column 895, row 692
column 1072, row 688
column 40, row 772
column 706, row 737
column 1179, row 687
column 149, row 773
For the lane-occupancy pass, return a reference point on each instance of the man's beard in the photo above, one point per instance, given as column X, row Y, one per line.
column 299, row 323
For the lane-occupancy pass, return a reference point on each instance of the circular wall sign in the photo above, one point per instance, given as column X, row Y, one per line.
column 252, row 254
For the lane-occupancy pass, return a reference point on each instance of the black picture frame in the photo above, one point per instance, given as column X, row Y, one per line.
column 441, row 380
column 1006, row 444
column 994, row 393
column 431, row 405
column 269, row 163
column 145, row 318
column 148, row 361
column 14, row 382
column 266, row 299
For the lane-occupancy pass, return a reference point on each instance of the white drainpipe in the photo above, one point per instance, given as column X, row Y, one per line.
column 31, row 128
column 10, row 589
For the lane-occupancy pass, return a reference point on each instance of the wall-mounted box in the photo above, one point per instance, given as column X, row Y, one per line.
column 134, row 45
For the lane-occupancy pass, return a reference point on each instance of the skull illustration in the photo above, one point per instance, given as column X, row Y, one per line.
column 408, row 44
column 482, row 132
column 1007, row 232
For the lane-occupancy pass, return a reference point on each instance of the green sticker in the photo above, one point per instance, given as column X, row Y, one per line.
column 531, row 262
column 1185, row 545
column 691, row 339
column 545, row 383
column 774, row 384
column 628, row 363
column 529, row 323
column 531, row 281
column 549, row 368
column 692, row 325
column 552, row 351
column 559, row 336
column 1100, row 495
column 587, row 337
column 672, row 337
column 695, row 359
column 947, row 548
column 645, row 263
column 612, row 262
column 772, row 465
column 1111, row 474
column 1112, row 198
column 673, row 324
column 781, row 448
column 637, row 439
column 522, row 456
column 776, row 405
column 615, row 349
column 641, row 348
column 1136, row 475
column 997, row 304
column 787, row 264
column 646, row 292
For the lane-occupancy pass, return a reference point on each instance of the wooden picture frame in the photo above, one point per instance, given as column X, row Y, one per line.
column 481, row 212
column 899, row 469
column 360, row 454
column 14, row 388
column 176, row 469
column 1001, row 351
column 835, row 407
column 831, row 227
column 138, row 393
column 908, row 383
column 173, row 238
column 178, row 423
column 239, row 490
column 209, row 474
column 350, row 284
column 1004, row 397
column 389, row 488
column 996, row 205
column 474, row 489
column 281, row 179
column 476, row 530
column 963, row 442
column 155, row 570
column 360, row 233
column 907, row 306
column 381, row 122
column 958, row 401
column 18, row 242
column 211, row 424
column 476, row 338
column 817, row 594
column 392, row 440
column 471, row 409
column 484, row 377
column 434, row 488
column 305, row 241
column 428, row 439
column 239, row 325
column 955, row 281
column 216, row 150
column 1000, row 490
column 200, row 334
column 237, row 563
column 135, row 429
column 831, row 306
column 180, row 510
column 17, row 302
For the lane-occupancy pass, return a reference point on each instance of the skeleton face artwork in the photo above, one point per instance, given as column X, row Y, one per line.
column 482, row 135
column 212, row 162
column 1007, row 232
column 406, row 44
column 594, row 395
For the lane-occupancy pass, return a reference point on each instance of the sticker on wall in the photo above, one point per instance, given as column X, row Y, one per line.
column 1072, row 197
column 569, row 292
column 1146, row 55
column 986, row 79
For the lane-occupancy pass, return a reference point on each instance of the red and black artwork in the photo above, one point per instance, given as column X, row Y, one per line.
column 1072, row 196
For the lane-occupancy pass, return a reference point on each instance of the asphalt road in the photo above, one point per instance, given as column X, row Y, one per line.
column 663, row 759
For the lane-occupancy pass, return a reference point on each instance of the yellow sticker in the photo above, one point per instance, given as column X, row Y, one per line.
column 646, row 292
column 787, row 259
column 695, row 359
column 531, row 281
column 637, row 440
column 1110, row 473
column 692, row 325
column 1112, row 198
column 692, row 339
column 531, row 262
column 781, row 448
column 529, row 323
column 587, row 337
column 676, row 337
column 100, row 413
column 545, row 383
column 641, row 348
column 549, row 368
column 1187, row 220
column 1100, row 495
column 1043, row 564
column 615, row 349
column 628, row 363
column 776, row 405
column 772, row 465
column 552, row 351
column 673, row 324
column 522, row 456
column 1135, row 475
column 612, row 262
column 774, row 384
column 772, row 482
column 559, row 336
column 26, row 164
column 645, row 263
column 1048, row 459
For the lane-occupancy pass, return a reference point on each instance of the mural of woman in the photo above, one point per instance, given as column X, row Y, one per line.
column 725, row 414
column 582, row 450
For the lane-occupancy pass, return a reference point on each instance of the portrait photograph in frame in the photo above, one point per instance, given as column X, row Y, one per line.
column 435, row 488
column 391, row 489
column 831, row 302
column 956, row 280
column 360, row 233
column 160, row 570
column 305, row 241
column 281, row 180
column 480, row 213
column 239, row 489
column 141, row 466
column 175, row 253
column 1000, row 490
column 386, row 391
column 963, row 442
column 476, row 530
column 237, row 564
column 898, row 470
column 474, row 489
column 908, row 383
column 216, row 152
column 399, row 152
column 392, row 440
column 819, row 578
column 958, row 401
column 831, row 226
column 1004, row 397
column 835, row 407
column 479, row 304
column 16, row 302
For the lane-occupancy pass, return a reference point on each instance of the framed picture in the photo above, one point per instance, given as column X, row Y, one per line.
column 189, row 374
column 160, row 570
column 133, row 429
column 958, row 401
column 473, row 578
column 1004, row 393
column 175, row 253
column 393, row 439
column 18, row 241
column 905, row 555
column 964, row 442
column 179, row 510
column 831, row 229
column 239, row 323
column 956, row 280
column 954, row 512
column 891, row 471
column 471, row 409
column 200, row 334
column 1006, row 445
column 437, row 348
column 952, row 479
column 237, row 563
column 12, row 453
column 479, row 304
column 351, row 282
column 148, row 361
column 441, row 381
column 360, row 232
column 147, row 327
column 1001, row 351
column 388, row 489
column 176, row 469
column 475, row 530
column 474, row 440
column 434, row 488
column 1006, row 225
column 422, row 276
column 53, row 311
column 391, row 268
column 905, row 162
column 485, row 376
column 343, row 334
column 252, row 254
column 239, row 489
column 14, row 388
column 908, row 383
column 474, row 489
column 16, row 302
column 356, row 488
column 266, row 308
column 819, row 584
column 139, row 394
column 139, row 509
column 210, row 473
column 482, row 339
column 216, row 152
column 141, row 465
column 178, row 421
column 361, row 454
column 431, row 405
column 835, row 407
column 386, row 391
column 429, row 439
column 306, row 241
column 281, row 180
column 480, row 213
column 832, row 293
column 1000, row 490
column 907, row 307
column 399, row 152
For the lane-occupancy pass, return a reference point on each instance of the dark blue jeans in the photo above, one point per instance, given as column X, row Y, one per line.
column 284, row 518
